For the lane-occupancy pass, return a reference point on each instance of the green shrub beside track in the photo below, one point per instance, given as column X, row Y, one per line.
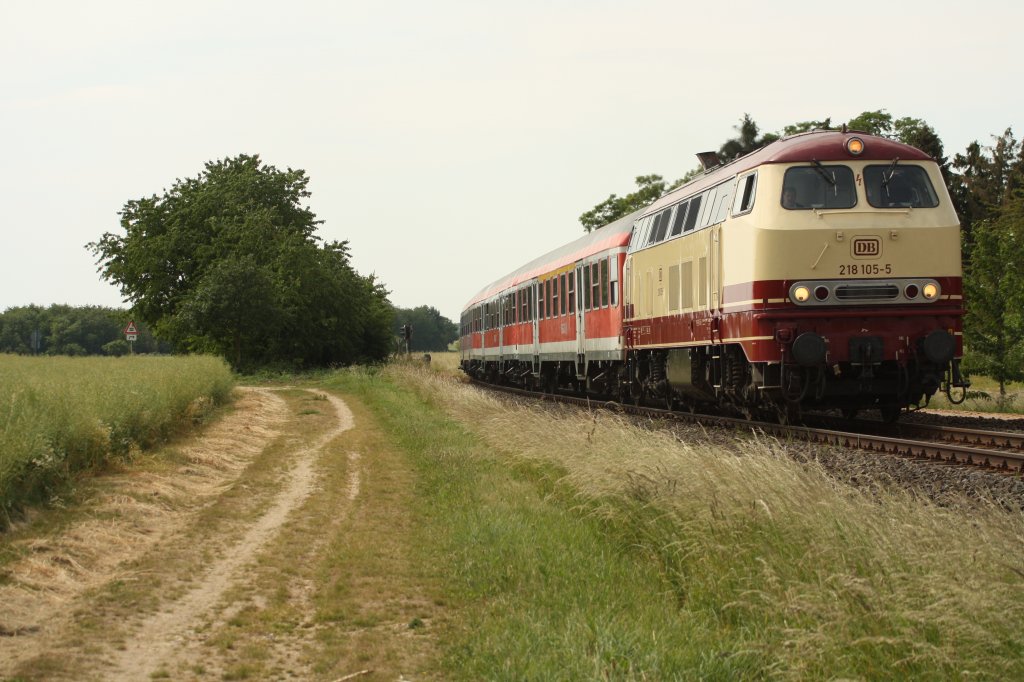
column 62, row 415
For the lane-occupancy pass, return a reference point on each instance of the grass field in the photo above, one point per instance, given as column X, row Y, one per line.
column 983, row 396
column 581, row 546
column 61, row 415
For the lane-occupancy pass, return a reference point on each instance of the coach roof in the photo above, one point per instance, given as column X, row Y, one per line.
column 612, row 235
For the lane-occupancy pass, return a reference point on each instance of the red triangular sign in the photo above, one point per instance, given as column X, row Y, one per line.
column 131, row 329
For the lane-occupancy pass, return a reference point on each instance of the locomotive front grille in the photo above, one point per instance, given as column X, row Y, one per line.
column 867, row 292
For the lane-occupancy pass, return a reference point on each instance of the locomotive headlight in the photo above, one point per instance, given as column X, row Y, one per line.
column 855, row 146
column 801, row 294
column 930, row 291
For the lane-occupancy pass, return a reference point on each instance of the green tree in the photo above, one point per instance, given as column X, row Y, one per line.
column 994, row 290
column 874, row 122
column 431, row 331
column 649, row 188
column 229, row 262
column 807, row 126
column 747, row 140
column 985, row 179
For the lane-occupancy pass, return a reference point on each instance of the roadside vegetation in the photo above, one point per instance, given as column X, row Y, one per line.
column 62, row 415
column 583, row 546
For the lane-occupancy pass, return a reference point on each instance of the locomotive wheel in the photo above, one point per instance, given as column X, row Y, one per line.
column 890, row 412
column 788, row 414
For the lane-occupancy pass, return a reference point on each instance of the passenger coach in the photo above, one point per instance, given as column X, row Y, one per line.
column 557, row 321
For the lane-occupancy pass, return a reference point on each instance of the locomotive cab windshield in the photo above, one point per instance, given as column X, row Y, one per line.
column 899, row 187
column 818, row 186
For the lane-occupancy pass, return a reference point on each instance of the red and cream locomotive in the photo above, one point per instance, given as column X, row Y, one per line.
column 821, row 271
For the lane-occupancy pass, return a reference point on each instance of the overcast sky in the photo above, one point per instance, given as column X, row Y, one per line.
column 449, row 142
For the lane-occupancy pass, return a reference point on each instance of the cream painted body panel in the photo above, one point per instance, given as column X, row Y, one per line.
column 773, row 243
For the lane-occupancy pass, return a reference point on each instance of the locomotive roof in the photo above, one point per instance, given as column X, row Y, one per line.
column 820, row 145
column 612, row 235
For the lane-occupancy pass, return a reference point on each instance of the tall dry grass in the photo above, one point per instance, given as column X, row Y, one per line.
column 805, row 576
column 59, row 415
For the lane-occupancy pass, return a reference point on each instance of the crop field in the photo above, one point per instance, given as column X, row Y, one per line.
column 61, row 415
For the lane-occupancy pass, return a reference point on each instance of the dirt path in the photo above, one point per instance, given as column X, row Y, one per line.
column 149, row 579
column 157, row 642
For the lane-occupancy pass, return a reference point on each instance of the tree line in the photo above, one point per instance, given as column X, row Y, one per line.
column 72, row 330
column 986, row 185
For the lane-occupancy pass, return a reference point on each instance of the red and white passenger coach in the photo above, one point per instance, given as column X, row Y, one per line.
column 822, row 271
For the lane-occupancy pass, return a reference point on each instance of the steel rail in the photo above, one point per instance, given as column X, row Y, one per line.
column 1003, row 450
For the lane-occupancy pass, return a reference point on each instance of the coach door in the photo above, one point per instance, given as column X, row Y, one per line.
column 581, row 322
column 538, row 294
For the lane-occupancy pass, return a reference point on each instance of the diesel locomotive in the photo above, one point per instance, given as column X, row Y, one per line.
column 822, row 271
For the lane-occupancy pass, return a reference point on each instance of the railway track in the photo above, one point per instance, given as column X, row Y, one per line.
column 999, row 450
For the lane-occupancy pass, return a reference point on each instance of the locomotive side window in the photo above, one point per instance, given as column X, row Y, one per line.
column 643, row 230
column 895, row 186
column 691, row 217
column 652, row 236
column 677, row 224
column 818, row 186
column 724, row 202
column 707, row 207
column 661, row 225
column 746, row 189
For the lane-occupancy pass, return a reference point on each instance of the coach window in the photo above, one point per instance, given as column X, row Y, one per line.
column 548, row 310
column 818, row 186
column 595, row 285
column 586, row 287
column 540, row 300
column 554, row 297
column 604, row 282
column 746, row 190
column 565, row 295
column 614, row 286
column 572, row 293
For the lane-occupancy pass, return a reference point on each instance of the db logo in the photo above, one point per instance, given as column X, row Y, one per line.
column 866, row 247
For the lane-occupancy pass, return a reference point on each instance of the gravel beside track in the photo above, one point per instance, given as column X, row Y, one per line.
column 948, row 485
